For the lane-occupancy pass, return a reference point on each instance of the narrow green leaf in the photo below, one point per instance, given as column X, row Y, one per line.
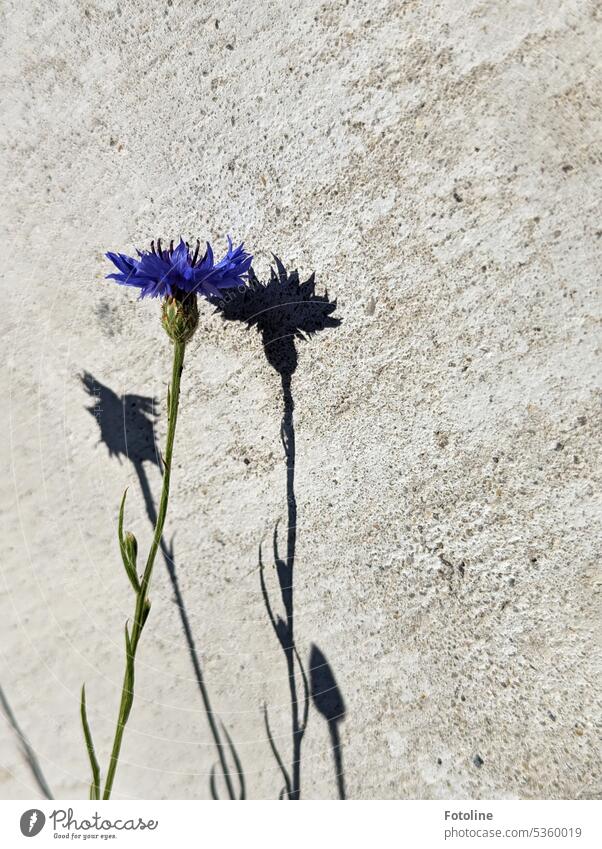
column 129, row 548
column 120, row 522
column 95, row 785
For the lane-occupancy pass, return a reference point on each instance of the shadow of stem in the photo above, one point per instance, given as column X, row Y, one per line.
column 284, row 628
column 28, row 752
column 222, row 749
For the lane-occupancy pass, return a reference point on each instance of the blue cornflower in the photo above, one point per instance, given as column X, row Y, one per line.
column 173, row 271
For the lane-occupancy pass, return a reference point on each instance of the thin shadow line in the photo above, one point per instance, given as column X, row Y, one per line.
column 167, row 551
column 28, row 752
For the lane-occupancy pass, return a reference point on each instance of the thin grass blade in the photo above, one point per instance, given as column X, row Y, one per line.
column 95, row 785
column 127, row 549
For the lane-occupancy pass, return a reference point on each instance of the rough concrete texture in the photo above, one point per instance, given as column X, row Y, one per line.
column 436, row 164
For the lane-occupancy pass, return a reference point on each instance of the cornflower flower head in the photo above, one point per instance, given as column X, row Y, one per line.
column 178, row 274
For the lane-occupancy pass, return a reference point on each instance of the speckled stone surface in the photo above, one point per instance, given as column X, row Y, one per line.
column 437, row 164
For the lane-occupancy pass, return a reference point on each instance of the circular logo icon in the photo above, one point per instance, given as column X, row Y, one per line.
column 32, row 822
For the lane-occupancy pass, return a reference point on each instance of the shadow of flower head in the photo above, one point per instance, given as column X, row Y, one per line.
column 282, row 310
column 126, row 422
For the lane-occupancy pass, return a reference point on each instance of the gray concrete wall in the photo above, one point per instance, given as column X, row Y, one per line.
column 437, row 165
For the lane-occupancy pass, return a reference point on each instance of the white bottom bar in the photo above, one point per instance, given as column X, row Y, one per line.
column 282, row 825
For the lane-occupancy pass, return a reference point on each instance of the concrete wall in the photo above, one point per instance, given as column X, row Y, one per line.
column 435, row 164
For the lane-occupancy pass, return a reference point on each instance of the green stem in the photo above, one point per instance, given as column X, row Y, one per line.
column 142, row 602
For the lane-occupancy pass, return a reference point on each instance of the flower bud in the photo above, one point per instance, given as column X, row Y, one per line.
column 129, row 553
column 180, row 316
column 131, row 547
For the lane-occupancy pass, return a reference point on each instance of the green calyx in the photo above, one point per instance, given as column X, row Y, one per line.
column 180, row 316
